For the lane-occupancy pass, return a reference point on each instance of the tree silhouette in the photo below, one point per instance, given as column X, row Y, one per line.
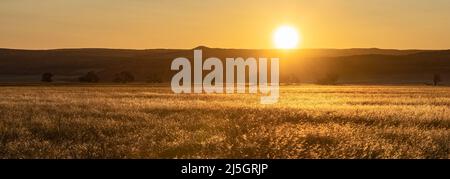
column 292, row 79
column 329, row 79
column 155, row 77
column 90, row 77
column 436, row 79
column 47, row 77
column 123, row 77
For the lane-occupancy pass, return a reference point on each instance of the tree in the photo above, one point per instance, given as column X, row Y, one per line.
column 436, row 79
column 123, row 77
column 90, row 77
column 292, row 79
column 47, row 77
column 329, row 79
column 154, row 78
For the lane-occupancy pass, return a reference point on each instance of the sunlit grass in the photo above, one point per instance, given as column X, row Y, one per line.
column 151, row 122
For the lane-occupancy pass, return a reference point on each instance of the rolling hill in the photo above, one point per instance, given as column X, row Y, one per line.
column 305, row 65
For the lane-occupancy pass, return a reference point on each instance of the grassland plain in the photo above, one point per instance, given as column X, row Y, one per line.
column 151, row 122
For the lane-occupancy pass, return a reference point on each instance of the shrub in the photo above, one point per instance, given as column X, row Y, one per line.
column 47, row 77
column 154, row 78
column 123, row 77
column 329, row 79
column 90, row 77
column 437, row 79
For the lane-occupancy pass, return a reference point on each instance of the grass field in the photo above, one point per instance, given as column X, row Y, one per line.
column 151, row 122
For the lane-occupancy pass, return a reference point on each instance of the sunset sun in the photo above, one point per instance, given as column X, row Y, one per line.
column 286, row 37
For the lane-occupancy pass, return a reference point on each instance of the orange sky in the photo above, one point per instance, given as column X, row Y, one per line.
column 141, row 24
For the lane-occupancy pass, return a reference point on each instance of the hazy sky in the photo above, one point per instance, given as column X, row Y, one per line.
column 43, row 24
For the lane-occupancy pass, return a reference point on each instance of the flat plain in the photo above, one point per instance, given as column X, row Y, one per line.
column 143, row 121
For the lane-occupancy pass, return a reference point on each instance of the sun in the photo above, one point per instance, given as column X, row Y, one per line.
column 286, row 37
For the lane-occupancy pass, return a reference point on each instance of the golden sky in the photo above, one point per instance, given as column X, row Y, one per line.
column 143, row 24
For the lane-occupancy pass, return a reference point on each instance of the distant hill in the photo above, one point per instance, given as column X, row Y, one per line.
column 304, row 65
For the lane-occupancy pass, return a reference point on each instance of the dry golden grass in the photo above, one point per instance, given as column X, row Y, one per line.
column 151, row 122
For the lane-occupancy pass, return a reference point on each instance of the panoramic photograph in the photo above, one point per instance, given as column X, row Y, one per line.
column 224, row 79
